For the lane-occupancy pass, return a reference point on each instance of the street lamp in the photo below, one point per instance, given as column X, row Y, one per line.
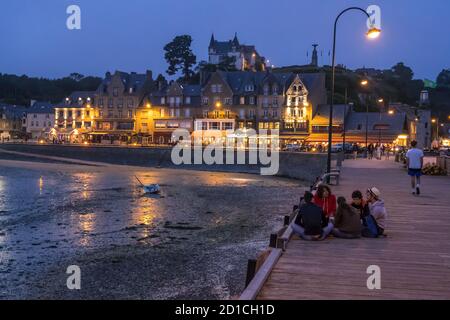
column 373, row 33
column 365, row 83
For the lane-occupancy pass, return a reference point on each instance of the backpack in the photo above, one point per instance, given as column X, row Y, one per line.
column 370, row 229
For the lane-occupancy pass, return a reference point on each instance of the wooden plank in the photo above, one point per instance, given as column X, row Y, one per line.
column 261, row 276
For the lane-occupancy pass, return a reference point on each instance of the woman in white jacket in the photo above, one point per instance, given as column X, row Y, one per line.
column 377, row 209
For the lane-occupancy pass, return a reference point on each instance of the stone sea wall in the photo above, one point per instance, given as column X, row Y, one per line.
column 302, row 166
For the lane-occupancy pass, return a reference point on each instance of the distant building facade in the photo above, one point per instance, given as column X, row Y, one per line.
column 40, row 119
column 12, row 122
column 245, row 57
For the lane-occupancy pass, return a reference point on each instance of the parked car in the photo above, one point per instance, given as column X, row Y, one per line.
column 338, row 147
column 292, row 147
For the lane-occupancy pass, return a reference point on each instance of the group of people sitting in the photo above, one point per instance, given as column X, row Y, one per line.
column 321, row 214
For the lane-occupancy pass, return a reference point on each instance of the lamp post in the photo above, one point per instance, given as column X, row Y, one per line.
column 365, row 83
column 373, row 33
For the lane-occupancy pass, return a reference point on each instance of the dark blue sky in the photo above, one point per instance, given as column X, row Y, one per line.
column 129, row 35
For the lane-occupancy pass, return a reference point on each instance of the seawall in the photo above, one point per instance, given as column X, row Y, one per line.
column 302, row 166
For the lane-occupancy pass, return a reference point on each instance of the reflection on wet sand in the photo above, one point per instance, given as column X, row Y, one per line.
column 92, row 213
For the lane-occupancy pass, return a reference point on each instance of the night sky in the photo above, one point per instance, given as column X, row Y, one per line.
column 129, row 35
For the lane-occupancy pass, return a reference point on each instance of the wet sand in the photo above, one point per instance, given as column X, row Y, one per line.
column 191, row 242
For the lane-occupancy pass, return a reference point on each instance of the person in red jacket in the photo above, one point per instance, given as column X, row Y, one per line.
column 326, row 200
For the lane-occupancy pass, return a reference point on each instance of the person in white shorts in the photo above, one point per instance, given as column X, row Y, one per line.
column 414, row 161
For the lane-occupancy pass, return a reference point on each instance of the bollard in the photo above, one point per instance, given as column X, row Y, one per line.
column 251, row 271
column 273, row 240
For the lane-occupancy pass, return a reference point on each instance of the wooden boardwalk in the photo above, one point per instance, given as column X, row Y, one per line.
column 414, row 258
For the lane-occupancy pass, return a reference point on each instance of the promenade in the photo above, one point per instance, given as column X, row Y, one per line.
column 414, row 258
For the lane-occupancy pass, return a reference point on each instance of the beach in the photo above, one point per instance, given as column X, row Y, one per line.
column 190, row 242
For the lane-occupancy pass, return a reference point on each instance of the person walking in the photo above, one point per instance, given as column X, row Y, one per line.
column 414, row 163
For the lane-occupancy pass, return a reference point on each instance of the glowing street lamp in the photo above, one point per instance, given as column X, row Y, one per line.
column 372, row 34
column 391, row 112
column 364, row 83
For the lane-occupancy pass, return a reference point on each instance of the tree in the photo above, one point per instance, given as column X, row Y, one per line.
column 76, row 76
column 402, row 72
column 179, row 56
column 443, row 79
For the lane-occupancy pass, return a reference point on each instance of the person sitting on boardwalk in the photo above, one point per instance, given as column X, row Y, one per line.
column 359, row 204
column 375, row 223
column 326, row 200
column 311, row 223
column 347, row 223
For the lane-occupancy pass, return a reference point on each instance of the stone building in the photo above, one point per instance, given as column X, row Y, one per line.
column 116, row 102
column 74, row 118
column 40, row 120
column 245, row 57
column 12, row 122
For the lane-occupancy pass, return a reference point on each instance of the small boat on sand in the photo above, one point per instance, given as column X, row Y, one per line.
column 149, row 188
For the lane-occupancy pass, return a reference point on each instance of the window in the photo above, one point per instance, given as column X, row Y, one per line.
column 130, row 103
column 266, row 90
column 205, row 114
column 34, row 116
column 120, row 103
column 216, row 88
column 87, row 124
column 204, row 125
column 69, row 114
column 228, row 101
column 161, row 112
column 188, row 100
column 242, row 113
column 187, row 113
column 275, row 90
column 205, row 101
column 227, row 126
column 249, row 88
column 78, row 114
column 266, row 113
column 214, row 125
column 251, row 113
column 275, row 101
column 227, row 113
column 110, row 103
column 88, row 113
column 177, row 101
column 78, row 125
column 265, row 102
column 120, row 114
column 171, row 101
column 216, row 114
column 172, row 112
column 110, row 114
column 275, row 113
column 100, row 102
column 60, row 114
column 115, row 92
column 130, row 113
column 163, row 100
column 252, row 100
column 242, row 100
column 32, row 123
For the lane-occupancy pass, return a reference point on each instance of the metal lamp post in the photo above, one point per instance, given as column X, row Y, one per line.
column 372, row 34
